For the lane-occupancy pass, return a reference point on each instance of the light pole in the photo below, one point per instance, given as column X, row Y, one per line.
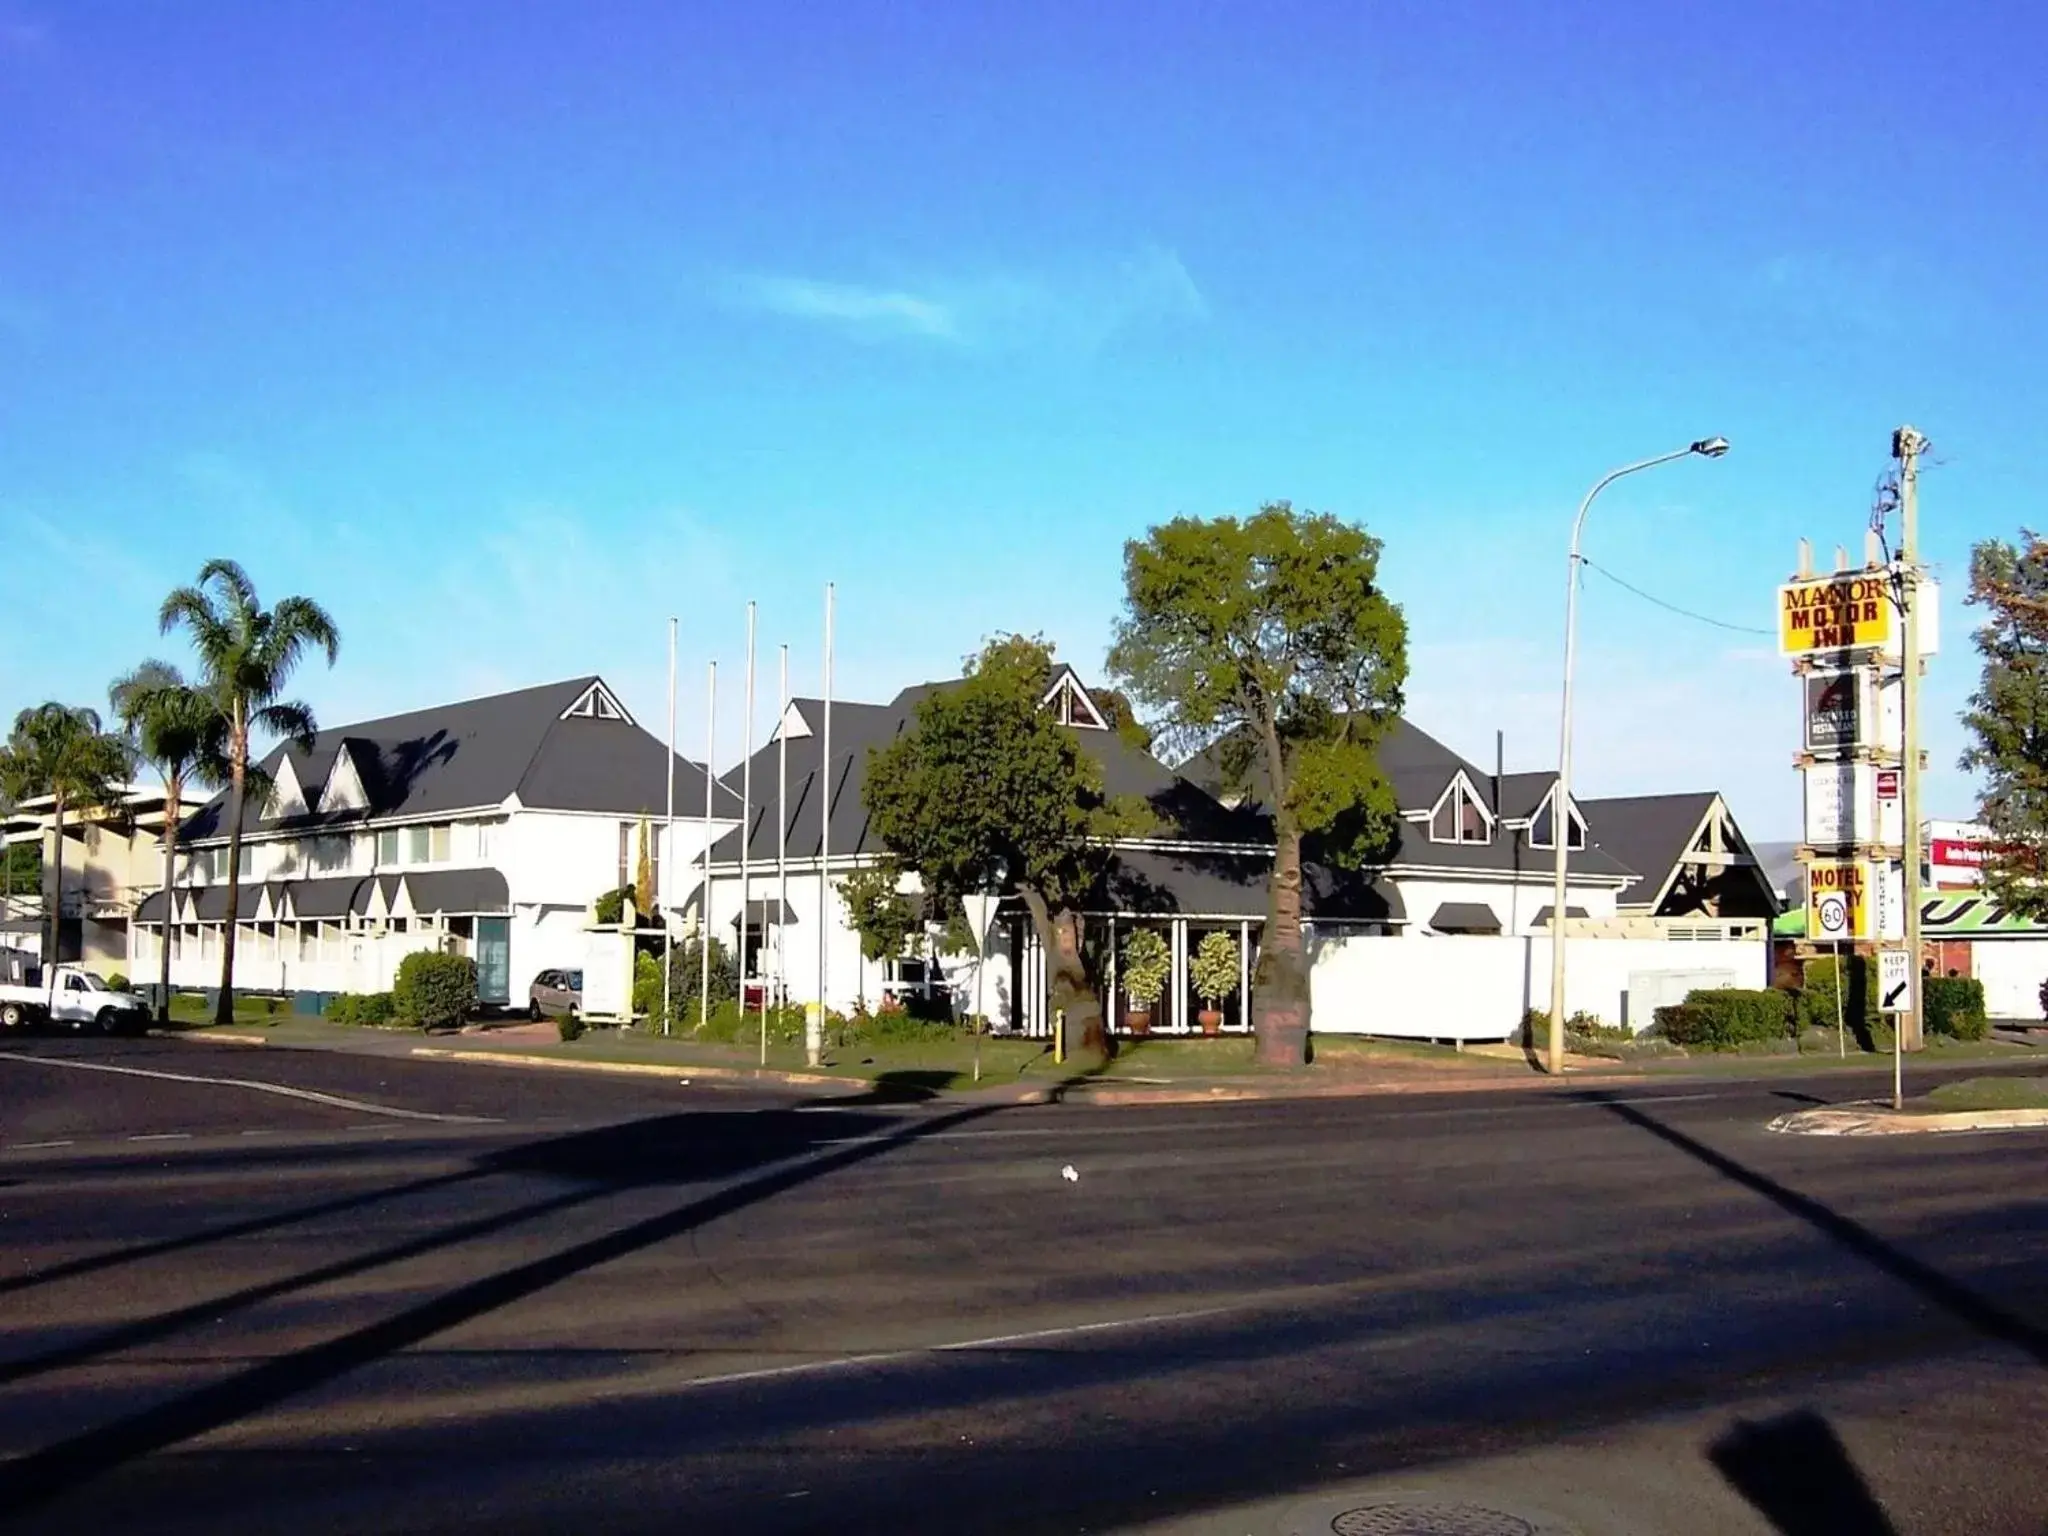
column 1561, row 794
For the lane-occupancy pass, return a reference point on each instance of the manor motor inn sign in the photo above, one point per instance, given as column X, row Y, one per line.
column 1849, row 611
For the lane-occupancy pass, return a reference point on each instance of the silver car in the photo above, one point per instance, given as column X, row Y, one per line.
column 554, row 995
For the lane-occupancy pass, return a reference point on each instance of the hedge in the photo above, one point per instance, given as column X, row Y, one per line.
column 1722, row 1018
column 1955, row 1007
column 435, row 991
column 361, row 1008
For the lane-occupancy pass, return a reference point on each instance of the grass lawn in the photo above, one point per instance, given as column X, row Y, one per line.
column 189, row 1008
column 1983, row 1093
column 937, row 1065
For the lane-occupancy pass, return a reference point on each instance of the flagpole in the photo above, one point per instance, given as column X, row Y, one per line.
column 668, row 852
column 704, row 906
column 814, row 1031
column 746, row 833
column 782, row 838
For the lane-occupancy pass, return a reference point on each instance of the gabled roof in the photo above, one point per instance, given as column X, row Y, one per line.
column 1653, row 834
column 448, row 892
column 1184, row 813
column 478, row 753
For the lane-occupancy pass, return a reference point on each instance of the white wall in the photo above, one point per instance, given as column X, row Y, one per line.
column 2012, row 971
column 1478, row 988
column 1514, row 904
column 848, row 977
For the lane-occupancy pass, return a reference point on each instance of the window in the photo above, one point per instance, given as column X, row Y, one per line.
column 486, row 838
column 1460, row 816
column 1539, row 828
column 417, row 844
column 327, row 855
column 625, row 854
column 440, row 843
column 387, row 848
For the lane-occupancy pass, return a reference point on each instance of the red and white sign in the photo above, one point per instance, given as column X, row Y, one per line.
column 1956, row 853
column 1887, row 783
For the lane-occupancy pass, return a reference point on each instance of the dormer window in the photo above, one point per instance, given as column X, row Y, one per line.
column 596, row 703
column 1539, row 826
column 1070, row 705
column 1460, row 815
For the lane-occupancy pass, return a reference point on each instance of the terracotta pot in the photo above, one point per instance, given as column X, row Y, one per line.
column 1138, row 1021
column 1211, row 1020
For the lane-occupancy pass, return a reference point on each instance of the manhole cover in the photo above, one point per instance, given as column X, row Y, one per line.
column 1429, row 1520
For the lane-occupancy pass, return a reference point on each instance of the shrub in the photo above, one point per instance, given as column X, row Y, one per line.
column 686, row 979
column 569, row 1027
column 727, row 1025
column 1817, row 997
column 1215, row 967
column 611, row 906
column 435, row 991
column 1955, row 1007
column 1146, row 968
column 1582, row 1032
column 647, row 989
column 368, row 1008
column 1725, row 1018
column 116, row 982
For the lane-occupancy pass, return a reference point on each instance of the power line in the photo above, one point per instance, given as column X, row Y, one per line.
column 1684, row 613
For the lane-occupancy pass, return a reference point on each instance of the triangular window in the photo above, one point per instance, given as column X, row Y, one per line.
column 1070, row 704
column 344, row 788
column 1460, row 815
column 1539, row 825
column 287, row 796
column 596, row 703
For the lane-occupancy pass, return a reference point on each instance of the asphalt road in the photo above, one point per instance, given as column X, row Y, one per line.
column 407, row 1295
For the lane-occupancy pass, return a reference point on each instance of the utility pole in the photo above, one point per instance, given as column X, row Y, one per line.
column 1907, row 446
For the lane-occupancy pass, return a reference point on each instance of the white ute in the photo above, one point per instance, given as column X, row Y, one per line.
column 68, row 996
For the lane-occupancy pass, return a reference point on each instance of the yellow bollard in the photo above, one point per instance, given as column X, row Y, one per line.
column 1059, row 1037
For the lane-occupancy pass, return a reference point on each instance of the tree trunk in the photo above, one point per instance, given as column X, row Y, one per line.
column 54, row 953
column 1280, row 1003
column 238, row 779
column 1077, row 1011
column 173, row 787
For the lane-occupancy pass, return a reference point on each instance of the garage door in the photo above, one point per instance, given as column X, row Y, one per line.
column 2012, row 971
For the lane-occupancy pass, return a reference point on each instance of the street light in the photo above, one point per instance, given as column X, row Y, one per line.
column 1561, row 795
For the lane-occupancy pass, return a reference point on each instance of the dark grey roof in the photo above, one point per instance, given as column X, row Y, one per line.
column 1464, row 917
column 1542, row 917
column 1181, row 810
column 1648, row 833
column 479, row 753
column 1521, row 793
column 768, row 912
column 1233, row 885
column 1508, row 854
column 451, row 892
column 459, row 892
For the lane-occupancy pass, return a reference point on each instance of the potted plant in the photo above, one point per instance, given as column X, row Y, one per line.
column 1145, row 968
column 1216, row 977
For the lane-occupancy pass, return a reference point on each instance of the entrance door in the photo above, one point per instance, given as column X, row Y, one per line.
column 494, row 960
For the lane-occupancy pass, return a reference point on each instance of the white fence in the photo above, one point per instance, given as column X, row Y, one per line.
column 1478, row 988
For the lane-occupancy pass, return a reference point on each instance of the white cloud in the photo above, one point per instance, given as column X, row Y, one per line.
column 859, row 310
column 1072, row 306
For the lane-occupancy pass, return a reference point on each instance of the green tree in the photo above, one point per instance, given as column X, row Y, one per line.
column 247, row 655
column 178, row 730
column 2008, row 718
column 1270, row 635
column 643, row 877
column 986, row 791
column 62, row 751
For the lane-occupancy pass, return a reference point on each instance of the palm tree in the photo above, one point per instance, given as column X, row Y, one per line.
column 247, row 654
column 180, row 731
column 62, row 751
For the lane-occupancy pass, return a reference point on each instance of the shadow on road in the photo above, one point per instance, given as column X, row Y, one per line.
column 1796, row 1473
column 668, row 1149
column 1958, row 1300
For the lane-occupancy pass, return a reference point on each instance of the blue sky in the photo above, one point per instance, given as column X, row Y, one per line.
column 508, row 331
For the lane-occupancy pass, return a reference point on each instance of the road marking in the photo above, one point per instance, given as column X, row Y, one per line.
column 36, row 1146
column 165, row 1136
column 331, row 1100
column 958, row 1346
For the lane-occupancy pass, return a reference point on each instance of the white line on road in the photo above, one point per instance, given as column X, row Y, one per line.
column 958, row 1346
column 37, row 1146
column 165, row 1136
column 332, row 1101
